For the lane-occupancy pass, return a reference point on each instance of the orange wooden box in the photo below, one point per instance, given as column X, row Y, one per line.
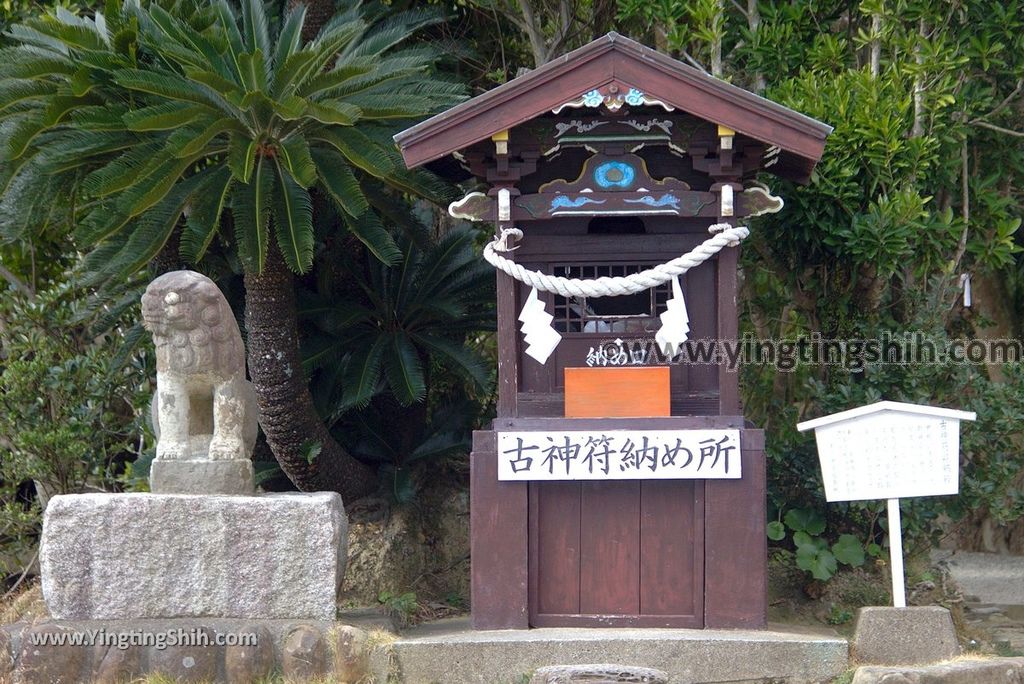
column 617, row 392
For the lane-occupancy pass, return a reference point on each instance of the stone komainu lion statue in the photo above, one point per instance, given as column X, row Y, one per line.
column 204, row 408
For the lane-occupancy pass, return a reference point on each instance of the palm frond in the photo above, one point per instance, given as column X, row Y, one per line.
column 26, row 62
column 293, row 222
column 255, row 31
column 106, row 117
column 253, row 68
column 229, row 24
column 174, row 29
column 18, row 132
column 339, row 181
column 227, row 88
column 251, row 211
column 241, row 157
column 163, row 117
column 359, row 150
column 120, row 173
column 294, row 152
column 396, row 28
column 77, row 35
column 339, row 113
column 101, row 255
column 290, row 37
column 457, row 358
column 74, row 149
column 152, row 188
column 404, row 370
column 25, row 208
column 169, row 85
column 193, row 139
column 151, row 232
column 27, row 35
column 103, row 222
column 371, row 232
column 326, row 48
column 288, row 75
column 14, row 91
column 423, row 184
column 204, row 220
column 391, row 105
column 361, row 380
column 336, row 77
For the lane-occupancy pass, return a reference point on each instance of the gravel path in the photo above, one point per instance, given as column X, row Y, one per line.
column 993, row 586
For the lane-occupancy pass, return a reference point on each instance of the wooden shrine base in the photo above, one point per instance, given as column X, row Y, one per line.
column 627, row 553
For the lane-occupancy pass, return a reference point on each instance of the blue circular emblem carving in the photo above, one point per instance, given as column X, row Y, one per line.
column 614, row 174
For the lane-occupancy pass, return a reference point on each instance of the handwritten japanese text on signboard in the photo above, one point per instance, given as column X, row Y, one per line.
column 889, row 456
column 619, row 455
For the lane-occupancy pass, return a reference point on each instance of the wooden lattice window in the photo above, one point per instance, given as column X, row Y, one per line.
column 636, row 313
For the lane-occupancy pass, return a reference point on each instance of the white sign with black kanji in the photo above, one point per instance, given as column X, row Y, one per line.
column 619, row 455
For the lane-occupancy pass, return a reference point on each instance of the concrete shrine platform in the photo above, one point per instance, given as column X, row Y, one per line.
column 449, row 651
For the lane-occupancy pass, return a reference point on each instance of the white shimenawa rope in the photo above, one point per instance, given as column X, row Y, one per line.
column 725, row 235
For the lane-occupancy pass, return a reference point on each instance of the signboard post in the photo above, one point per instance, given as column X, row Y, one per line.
column 889, row 450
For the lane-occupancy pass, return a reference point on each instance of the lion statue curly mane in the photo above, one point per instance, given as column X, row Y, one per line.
column 204, row 408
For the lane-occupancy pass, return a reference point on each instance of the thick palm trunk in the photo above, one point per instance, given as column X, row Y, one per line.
column 318, row 13
column 287, row 415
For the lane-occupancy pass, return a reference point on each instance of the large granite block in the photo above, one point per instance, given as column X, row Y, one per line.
column 120, row 556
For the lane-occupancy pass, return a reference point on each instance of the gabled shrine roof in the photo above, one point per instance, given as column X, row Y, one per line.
column 615, row 59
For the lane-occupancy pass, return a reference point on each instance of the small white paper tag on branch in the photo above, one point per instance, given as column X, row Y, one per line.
column 675, row 322
column 541, row 339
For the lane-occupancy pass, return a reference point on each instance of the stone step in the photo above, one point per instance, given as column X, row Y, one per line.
column 226, row 650
column 965, row 671
column 990, row 578
column 449, row 651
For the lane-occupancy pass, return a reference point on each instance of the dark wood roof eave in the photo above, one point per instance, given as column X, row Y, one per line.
column 615, row 58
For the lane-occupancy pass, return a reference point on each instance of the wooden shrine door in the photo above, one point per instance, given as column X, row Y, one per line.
column 616, row 553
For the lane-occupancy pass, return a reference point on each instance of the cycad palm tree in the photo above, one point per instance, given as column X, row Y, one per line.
column 403, row 321
column 145, row 119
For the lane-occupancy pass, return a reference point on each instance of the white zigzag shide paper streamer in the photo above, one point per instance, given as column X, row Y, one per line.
column 675, row 322
column 541, row 339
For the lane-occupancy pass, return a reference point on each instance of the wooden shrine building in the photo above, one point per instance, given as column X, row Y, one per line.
column 620, row 484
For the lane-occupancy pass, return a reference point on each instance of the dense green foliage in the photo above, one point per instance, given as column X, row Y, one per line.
column 394, row 354
column 142, row 116
column 120, row 128
column 920, row 182
column 70, row 406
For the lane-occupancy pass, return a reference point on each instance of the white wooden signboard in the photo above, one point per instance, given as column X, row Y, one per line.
column 889, row 455
column 619, row 455
column 889, row 450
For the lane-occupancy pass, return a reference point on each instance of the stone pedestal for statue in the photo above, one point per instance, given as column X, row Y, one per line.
column 121, row 556
column 203, row 543
column 915, row 635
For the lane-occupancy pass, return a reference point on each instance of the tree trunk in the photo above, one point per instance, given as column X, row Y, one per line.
column 754, row 23
column 168, row 258
column 287, row 415
column 318, row 13
column 718, row 31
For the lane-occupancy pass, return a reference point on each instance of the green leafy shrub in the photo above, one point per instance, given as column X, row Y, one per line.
column 394, row 354
column 70, row 407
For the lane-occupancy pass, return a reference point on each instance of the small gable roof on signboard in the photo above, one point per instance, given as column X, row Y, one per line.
column 616, row 60
column 886, row 407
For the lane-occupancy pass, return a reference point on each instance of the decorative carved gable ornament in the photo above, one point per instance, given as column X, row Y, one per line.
column 613, row 96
